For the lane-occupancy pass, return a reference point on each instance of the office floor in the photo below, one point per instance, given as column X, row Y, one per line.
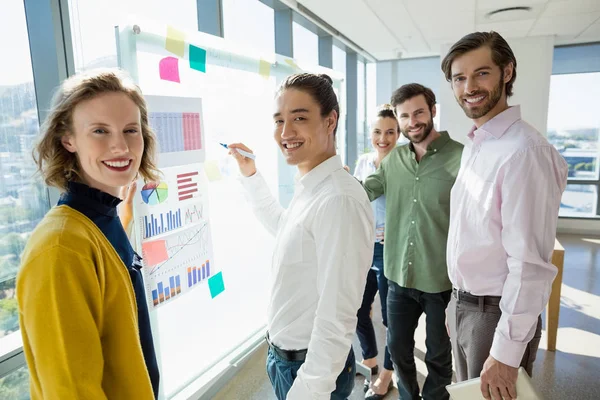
column 572, row 372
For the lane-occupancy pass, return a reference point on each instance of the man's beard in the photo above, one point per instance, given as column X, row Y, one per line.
column 493, row 98
column 427, row 128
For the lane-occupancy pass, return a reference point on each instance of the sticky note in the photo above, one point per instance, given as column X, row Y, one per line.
column 264, row 69
column 175, row 41
column 169, row 69
column 211, row 168
column 155, row 252
column 197, row 58
column 216, row 285
column 291, row 63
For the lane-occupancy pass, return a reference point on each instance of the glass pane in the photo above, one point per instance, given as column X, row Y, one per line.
column 23, row 200
column 15, row 386
column 579, row 201
column 186, row 348
column 249, row 23
column 362, row 140
column 306, row 45
column 339, row 60
column 339, row 65
column 574, row 122
column 93, row 25
column 371, row 92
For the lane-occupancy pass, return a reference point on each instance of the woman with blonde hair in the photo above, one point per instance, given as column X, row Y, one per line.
column 83, row 314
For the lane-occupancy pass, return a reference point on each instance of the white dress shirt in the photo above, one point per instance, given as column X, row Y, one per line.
column 503, row 215
column 323, row 251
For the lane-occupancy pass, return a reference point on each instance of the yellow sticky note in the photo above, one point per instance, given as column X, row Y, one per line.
column 211, row 168
column 264, row 69
column 291, row 63
column 175, row 41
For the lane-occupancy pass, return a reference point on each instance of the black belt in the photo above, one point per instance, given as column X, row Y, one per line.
column 481, row 301
column 287, row 355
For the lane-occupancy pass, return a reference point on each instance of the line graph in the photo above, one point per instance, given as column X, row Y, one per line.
column 171, row 246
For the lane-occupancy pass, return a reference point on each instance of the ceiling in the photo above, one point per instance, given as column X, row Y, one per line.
column 390, row 29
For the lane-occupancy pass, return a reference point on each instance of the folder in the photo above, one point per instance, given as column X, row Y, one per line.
column 470, row 390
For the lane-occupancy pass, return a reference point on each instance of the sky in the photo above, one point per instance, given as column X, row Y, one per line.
column 15, row 67
column 574, row 101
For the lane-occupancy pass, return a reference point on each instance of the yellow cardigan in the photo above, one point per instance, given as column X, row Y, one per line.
column 78, row 314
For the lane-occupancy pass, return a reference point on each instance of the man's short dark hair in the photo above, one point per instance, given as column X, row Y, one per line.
column 502, row 54
column 410, row 90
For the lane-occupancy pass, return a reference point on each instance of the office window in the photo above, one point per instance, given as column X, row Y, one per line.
column 249, row 23
column 339, row 60
column 371, row 92
column 574, row 129
column 362, row 140
column 339, row 65
column 15, row 385
column 306, row 45
column 23, row 199
column 93, row 25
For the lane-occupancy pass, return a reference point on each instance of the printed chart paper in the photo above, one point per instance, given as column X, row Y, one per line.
column 179, row 127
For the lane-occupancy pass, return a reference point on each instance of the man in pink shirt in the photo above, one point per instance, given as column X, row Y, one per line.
column 504, row 210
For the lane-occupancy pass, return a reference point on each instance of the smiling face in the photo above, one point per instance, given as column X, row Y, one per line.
column 304, row 136
column 478, row 84
column 384, row 135
column 107, row 139
column 415, row 118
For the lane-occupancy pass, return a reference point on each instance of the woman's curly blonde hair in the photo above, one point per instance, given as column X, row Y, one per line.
column 57, row 165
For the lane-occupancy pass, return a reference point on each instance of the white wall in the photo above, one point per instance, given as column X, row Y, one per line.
column 531, row 89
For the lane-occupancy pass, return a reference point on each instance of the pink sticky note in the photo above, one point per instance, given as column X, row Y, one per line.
column 169, row 69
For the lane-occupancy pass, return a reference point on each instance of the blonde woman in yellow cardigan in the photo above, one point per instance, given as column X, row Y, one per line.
column 83, row 313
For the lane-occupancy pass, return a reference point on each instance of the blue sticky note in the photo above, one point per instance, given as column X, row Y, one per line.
column 197, row 58
column 216, row 285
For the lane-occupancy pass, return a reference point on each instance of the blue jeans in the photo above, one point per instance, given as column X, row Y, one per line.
column 376, row 281
column 405, row 306
column 282, row 374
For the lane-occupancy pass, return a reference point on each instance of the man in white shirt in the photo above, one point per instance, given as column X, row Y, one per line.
column 323, row 251
column 504, row 210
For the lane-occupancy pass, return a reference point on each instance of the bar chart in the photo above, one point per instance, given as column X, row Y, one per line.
column 166, row 291
column 198, row 274
column 161, row 223
column 177, row 131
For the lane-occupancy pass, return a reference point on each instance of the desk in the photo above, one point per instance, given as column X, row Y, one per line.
column 553, row 308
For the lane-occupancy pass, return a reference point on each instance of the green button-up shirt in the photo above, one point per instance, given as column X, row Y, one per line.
column 417, row 212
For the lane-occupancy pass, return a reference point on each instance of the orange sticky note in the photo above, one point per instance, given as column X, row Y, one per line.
column 169, row 69
column 175, row 41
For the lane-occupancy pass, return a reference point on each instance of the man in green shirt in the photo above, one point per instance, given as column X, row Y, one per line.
column 416, row 179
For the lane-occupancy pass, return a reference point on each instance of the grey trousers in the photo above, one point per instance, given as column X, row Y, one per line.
column 471, row 333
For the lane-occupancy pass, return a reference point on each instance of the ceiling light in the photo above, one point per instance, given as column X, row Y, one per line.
column 508, row 13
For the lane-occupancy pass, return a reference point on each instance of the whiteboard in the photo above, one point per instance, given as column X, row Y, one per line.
column 194, row 332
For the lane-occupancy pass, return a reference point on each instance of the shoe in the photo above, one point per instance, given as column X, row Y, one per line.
column 369, row 395
column 374, row 371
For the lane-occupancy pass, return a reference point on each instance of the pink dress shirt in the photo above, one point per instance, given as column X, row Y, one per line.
column 503, row 215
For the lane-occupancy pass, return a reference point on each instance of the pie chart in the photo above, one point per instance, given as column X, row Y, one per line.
column 155, row 193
